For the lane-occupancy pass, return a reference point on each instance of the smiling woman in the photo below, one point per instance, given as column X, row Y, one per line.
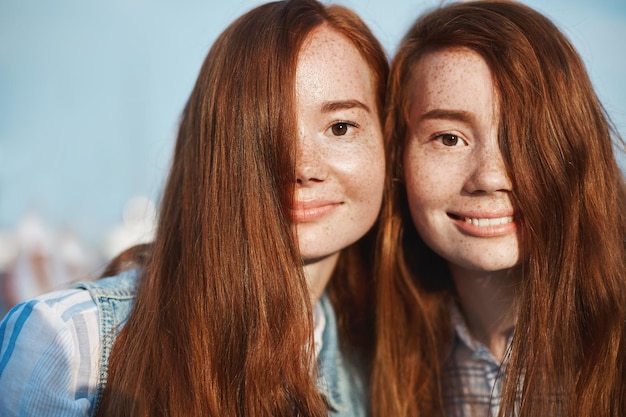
column 465, row 212
column 117, row 102
column 340, row 158
column 253, row 298
column 502, row 248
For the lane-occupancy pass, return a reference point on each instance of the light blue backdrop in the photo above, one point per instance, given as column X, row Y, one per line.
column 91, row 91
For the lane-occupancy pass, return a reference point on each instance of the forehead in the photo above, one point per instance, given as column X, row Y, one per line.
column 328, row 57
column 447, row 77
column 323, row 41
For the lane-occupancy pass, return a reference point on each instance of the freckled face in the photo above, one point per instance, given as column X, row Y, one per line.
column 458, row 188
column 340, row 162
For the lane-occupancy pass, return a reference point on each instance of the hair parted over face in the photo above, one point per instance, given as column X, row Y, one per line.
column 556, row 143
column 256, row 108
column 224, row 285
column 457, row 186
column 552, row 129
column 241, row 117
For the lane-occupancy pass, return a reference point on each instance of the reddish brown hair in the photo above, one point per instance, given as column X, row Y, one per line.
column 222, row 316
column 570, row 338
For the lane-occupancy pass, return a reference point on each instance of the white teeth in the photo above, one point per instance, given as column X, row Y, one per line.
column 489, row 222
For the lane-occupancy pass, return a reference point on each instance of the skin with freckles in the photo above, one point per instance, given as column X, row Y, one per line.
column 500, row 284
column 458, row 188
column 457, row 185
column 340, row 160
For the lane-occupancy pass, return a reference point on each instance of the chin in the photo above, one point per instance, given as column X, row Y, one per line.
column 490, row 266
column 310, row 256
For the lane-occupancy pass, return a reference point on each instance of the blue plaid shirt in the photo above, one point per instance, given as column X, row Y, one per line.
column 473, row 384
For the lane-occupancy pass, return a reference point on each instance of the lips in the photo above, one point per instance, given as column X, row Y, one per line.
column 311, row 210
column 488, row 221
column 485, row 225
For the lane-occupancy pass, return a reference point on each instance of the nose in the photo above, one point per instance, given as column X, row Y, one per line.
column 310, row 162
column 489, row 171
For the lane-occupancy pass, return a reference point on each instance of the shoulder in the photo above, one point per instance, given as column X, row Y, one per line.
column 53, row 348
column 45, row 354
column 55, row 310
column 114, row 297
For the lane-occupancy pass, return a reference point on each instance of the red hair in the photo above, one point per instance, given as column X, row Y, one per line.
column 556, row 139
column 222, row 316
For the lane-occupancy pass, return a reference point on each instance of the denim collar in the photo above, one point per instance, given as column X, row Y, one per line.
column 341, row 389
column 328, row 361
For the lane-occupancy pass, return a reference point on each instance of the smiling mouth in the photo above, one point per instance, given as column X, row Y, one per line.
column 311, row 211
column 483, row 222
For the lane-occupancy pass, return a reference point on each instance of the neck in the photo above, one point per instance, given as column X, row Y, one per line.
column 317, row 273
column 488, row 301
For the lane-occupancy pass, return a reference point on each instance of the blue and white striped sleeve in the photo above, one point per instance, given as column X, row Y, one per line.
column 49, row 356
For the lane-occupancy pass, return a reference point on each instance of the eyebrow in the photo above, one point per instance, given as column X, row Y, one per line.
column 330, row 106
column 460, row 115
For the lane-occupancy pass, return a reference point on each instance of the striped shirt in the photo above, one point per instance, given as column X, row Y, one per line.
column 473, row 384
column 49, row 355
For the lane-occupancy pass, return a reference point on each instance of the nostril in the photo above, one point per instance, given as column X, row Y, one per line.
column 310, row 173
column 302, row 181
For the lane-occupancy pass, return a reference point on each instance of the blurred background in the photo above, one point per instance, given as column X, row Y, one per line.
column 90, row 96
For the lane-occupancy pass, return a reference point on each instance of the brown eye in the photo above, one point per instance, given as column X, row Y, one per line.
column 339, row 129
column 449, row 140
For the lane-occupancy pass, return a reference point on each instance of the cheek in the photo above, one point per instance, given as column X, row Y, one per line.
column 428, row 196
column 422, row 184
column 366, row 172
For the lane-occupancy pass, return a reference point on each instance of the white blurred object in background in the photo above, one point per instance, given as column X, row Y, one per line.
column 138, row 226
column 35, row 261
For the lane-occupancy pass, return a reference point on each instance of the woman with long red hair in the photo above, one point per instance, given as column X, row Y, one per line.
column 502, row 274
column 256, row 283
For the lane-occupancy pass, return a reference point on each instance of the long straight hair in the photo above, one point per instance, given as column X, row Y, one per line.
column 222, row 322
column 568, row 352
